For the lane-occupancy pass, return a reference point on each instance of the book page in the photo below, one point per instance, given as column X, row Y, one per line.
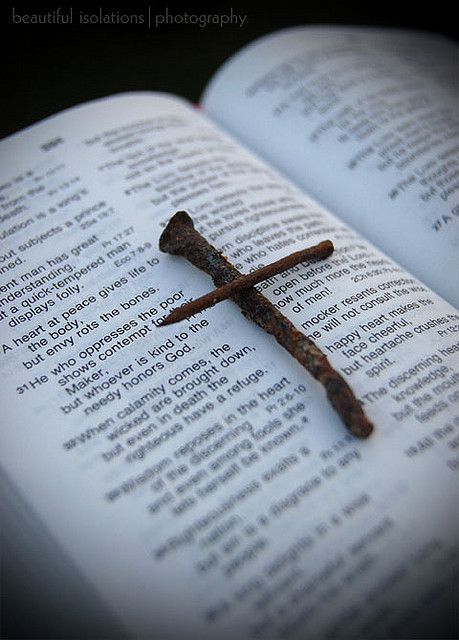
column 195, row 475
column 366, row 121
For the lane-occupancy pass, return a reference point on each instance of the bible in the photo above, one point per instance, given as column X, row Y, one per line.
column 192, row 480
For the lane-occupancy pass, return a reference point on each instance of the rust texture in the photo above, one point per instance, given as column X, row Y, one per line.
column 181, row 238
column 316, row 252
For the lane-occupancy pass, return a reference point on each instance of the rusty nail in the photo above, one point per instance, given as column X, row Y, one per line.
column 181, row 238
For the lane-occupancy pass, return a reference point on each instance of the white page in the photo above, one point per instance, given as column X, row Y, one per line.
column 366, row 121
column 195, row 474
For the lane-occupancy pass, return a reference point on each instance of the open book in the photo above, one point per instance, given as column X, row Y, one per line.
column 192, row 480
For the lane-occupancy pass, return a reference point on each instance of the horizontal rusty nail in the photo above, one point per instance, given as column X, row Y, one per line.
column 316, row 252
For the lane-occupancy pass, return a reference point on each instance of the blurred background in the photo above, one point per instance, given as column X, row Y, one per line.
column 47, row 68
column 50, row 67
